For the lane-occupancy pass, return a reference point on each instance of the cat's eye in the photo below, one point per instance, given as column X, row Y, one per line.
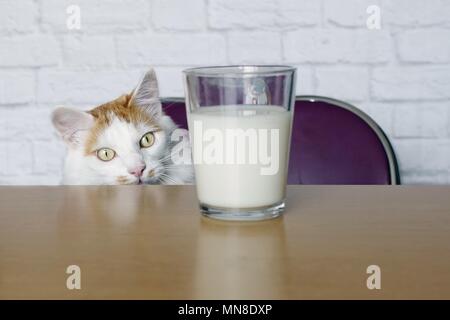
column 106, row 154
column 147, row 140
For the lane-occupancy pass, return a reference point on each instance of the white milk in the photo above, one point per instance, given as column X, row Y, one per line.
column 235, row 179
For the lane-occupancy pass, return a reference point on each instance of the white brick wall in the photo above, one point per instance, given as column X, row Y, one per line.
column 399, row 74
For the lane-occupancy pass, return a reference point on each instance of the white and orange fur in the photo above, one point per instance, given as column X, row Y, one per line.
column 119, row 125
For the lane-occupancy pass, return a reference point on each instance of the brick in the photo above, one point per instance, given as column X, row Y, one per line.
column 334, row 46
column 3, row 121
column 424, row 46
column 172, row 50
column 254, row 47
column 19, row 157
column 29, row 51
column 344, row 83
column 85, row 87
column 420, row 155
column 20, row 121
column 305, row 81
column 179, row 14
column 425, row 178
column 266, row 14
column 416, row 12
column 229, row 14
column 3, row 159
column 16, row 123
column 349, row 13
column 435, row 155
column 170, row 81
column 20, row 16
column 427, row 120
column 411, row 83
column 448, row 127
column 97, row 15
column 30, row 179
column 16, row 87
column 48, row 157
column 407, row 152
column 299, row 13
column 382, row 114
column 88, row 51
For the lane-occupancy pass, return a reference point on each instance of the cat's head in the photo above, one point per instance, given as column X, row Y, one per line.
column 124, row 141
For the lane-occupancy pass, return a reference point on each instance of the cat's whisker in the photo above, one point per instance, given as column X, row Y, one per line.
column 168, row 179
column 165, row 176
column 171, row 166
column 168, row 157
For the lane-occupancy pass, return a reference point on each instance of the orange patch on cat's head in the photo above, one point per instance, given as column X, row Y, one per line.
column 124, row 109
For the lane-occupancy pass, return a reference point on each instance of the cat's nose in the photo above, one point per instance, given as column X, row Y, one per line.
column 137, row 171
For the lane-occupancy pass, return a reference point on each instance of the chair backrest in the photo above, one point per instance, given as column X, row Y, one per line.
column 332, row 142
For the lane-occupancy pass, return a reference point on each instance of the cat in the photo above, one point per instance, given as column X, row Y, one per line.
column 126, row 141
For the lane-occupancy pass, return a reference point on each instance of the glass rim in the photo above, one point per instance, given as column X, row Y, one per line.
column 239, row 70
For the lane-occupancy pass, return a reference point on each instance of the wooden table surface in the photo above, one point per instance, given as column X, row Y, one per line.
column 147, row 242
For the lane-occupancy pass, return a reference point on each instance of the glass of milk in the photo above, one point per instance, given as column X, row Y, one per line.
column 240, row 120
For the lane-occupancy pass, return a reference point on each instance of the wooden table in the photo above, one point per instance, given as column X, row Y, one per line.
column 149, row 242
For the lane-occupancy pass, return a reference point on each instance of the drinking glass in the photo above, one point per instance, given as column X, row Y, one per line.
column 240, row 120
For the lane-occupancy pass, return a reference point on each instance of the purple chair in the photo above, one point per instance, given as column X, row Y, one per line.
column 333, row 142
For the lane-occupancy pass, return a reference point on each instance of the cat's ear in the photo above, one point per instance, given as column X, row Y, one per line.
column 146, row 94
column 72, row 124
